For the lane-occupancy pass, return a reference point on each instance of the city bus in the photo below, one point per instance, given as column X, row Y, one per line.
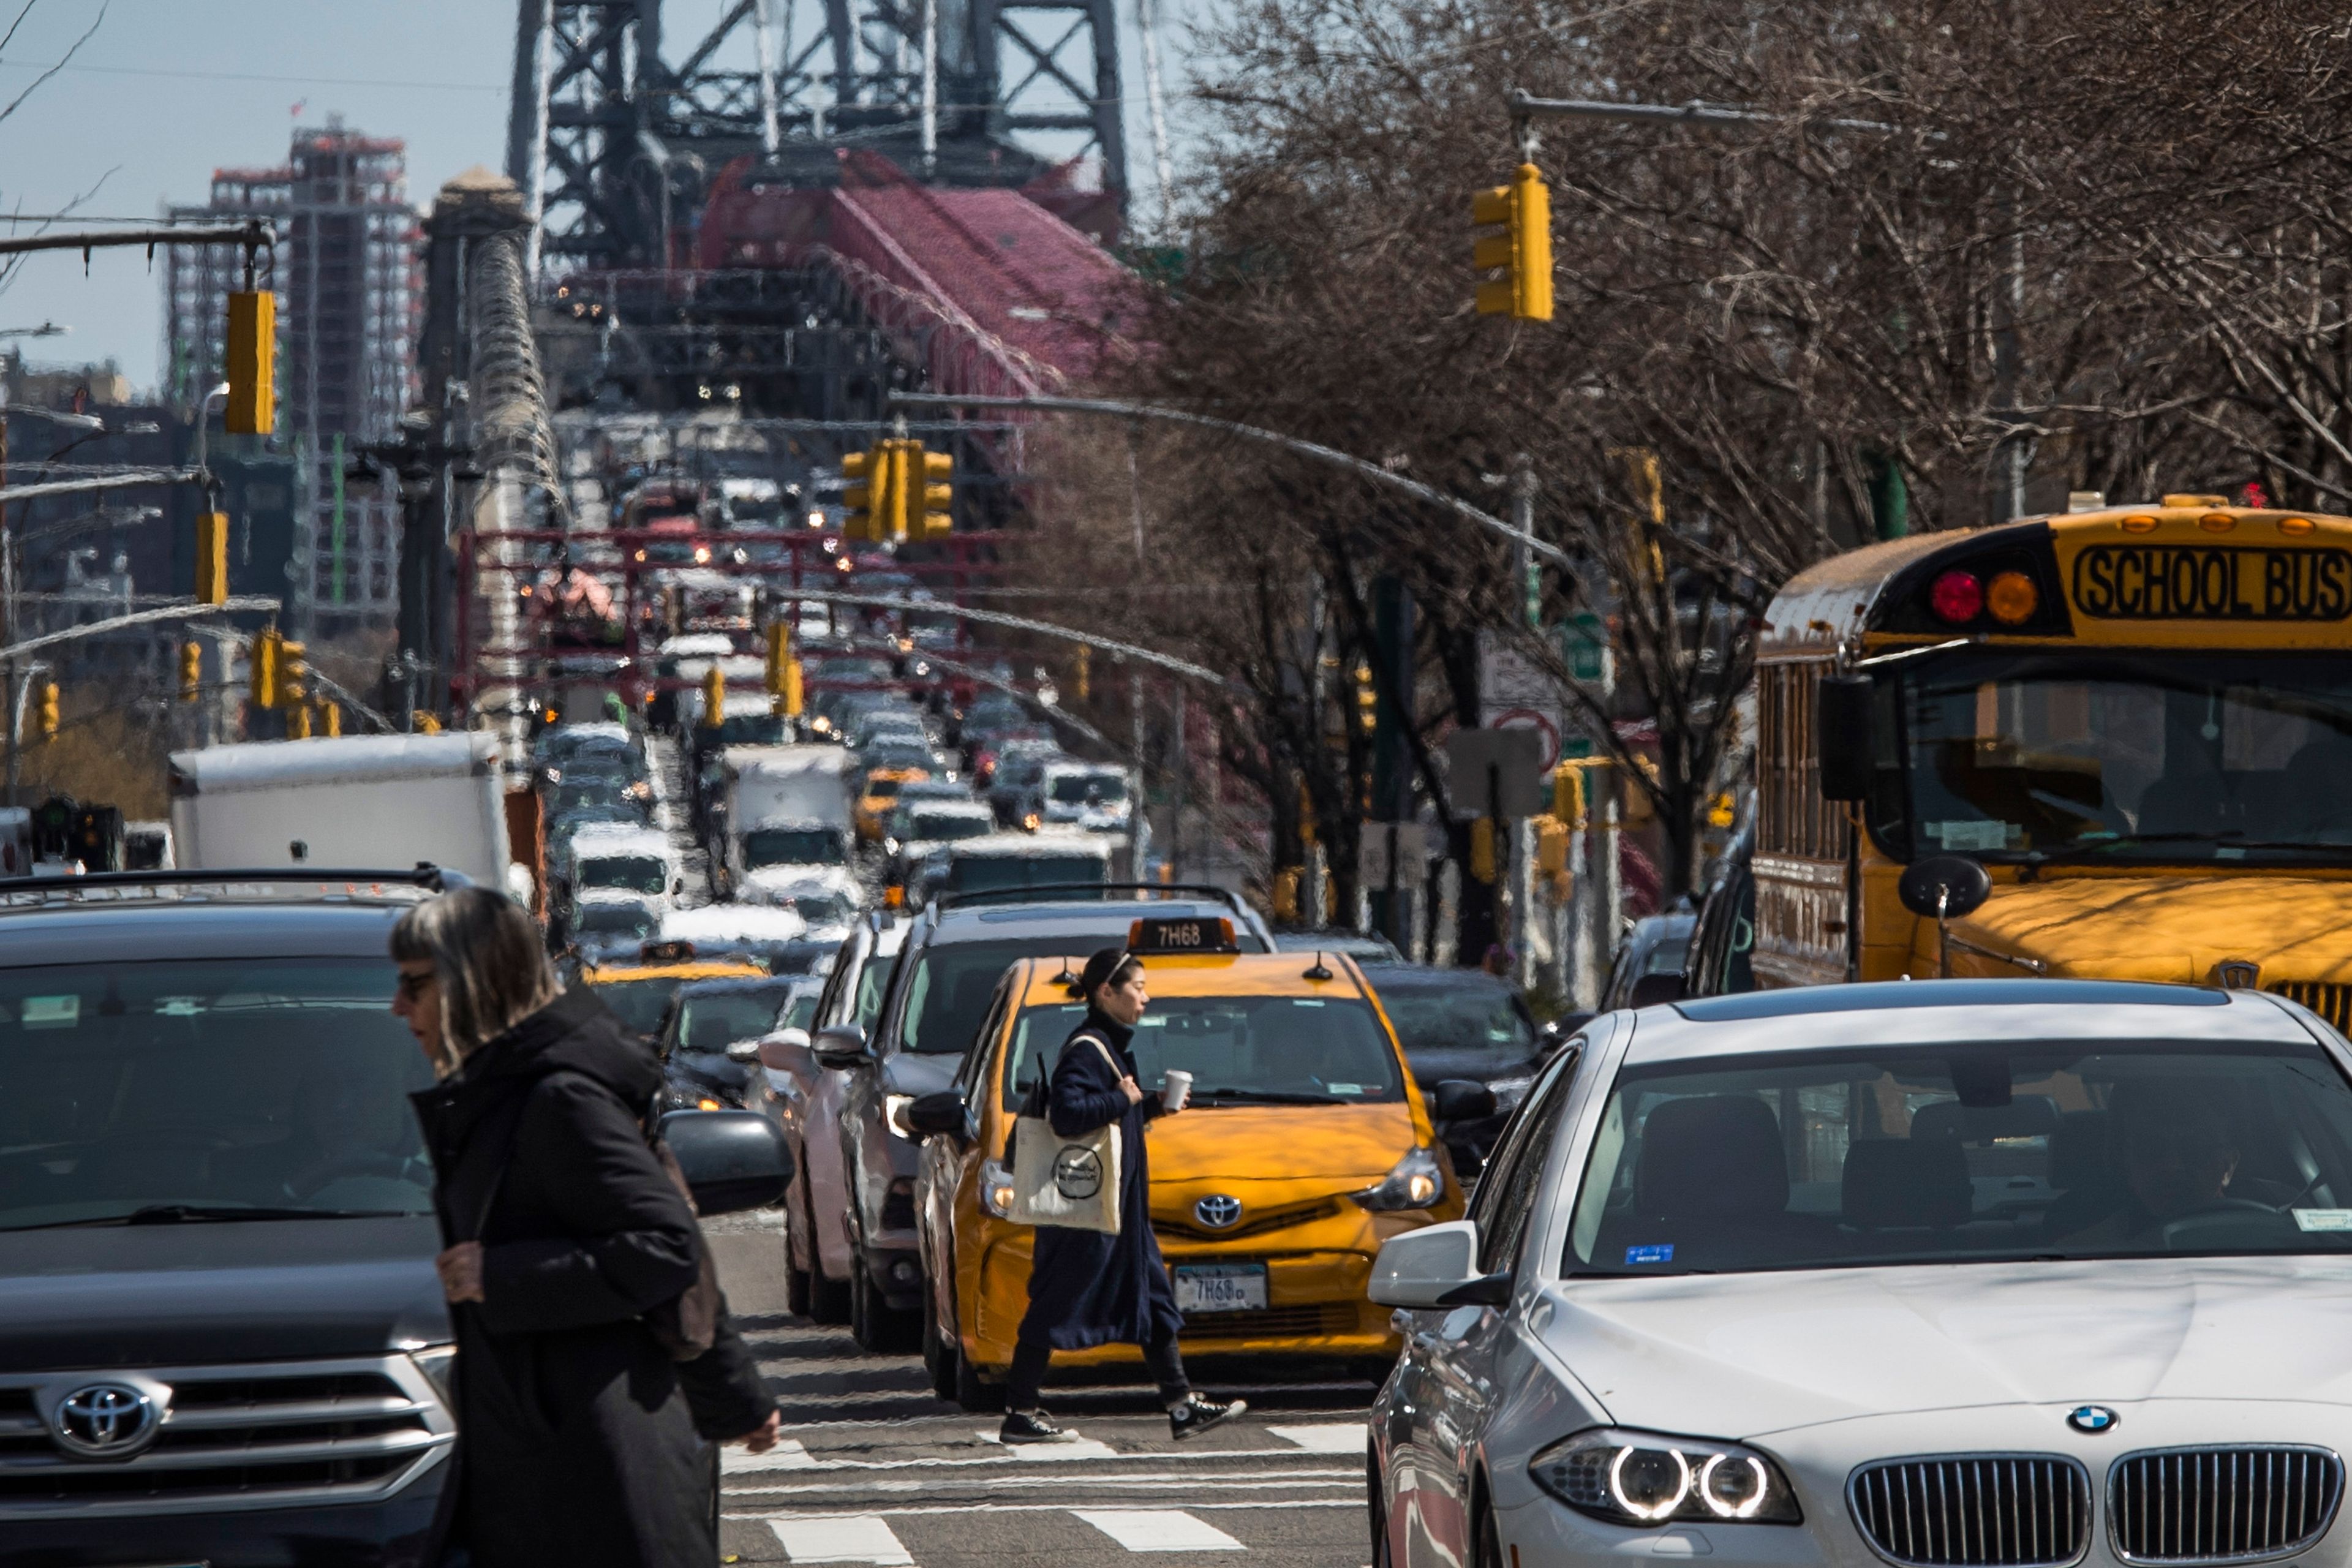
column 2136, row 721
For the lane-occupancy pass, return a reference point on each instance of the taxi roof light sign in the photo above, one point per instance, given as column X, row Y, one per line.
column 1185, row 933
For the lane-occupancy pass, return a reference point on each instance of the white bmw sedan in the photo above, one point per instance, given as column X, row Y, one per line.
column 1956, row 1274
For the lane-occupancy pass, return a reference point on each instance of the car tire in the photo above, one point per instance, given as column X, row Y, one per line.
column 940, row 1357
column 873, row 1323
column 976, row 1394
column 1486, row 1542
column 828, row 1300
column 1376, row 1505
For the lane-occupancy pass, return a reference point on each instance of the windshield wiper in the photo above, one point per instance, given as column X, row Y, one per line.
column 1263, row 1097
column 180, row 1214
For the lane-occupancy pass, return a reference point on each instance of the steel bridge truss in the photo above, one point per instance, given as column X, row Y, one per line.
column 615, row 135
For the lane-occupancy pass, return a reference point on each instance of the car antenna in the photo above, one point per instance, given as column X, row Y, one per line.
column 1320, row 971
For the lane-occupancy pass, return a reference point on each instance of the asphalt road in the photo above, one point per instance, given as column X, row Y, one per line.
column 874, row 1469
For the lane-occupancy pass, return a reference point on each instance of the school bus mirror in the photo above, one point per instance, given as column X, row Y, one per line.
column 1842, row 736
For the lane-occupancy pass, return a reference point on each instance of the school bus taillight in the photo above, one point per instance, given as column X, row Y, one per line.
column 2011, row 597
column 1957, row 597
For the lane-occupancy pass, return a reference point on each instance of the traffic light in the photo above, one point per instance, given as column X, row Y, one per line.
column 931, row 493
column 262, row 664
column 900, row 504
column 48, row 712
column 714, row 697
column 293, row 676
column 792, row 698
column 1082, row 679
column 1522, row 252
column 1367, row 699
column 252, row 363
column 780, row 655
column 212, row 557
column 191, row 671
column 1482, row 848
column 298, row 721
column 869, row 499
column 331, row 719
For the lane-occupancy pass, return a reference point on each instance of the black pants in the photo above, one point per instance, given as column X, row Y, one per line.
column 1029, row 1362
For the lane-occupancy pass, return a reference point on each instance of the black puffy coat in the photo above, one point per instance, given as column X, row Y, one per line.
column 1084, row 1287
column 577, row 1431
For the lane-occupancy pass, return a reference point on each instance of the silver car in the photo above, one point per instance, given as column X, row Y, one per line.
column 1956, row 1274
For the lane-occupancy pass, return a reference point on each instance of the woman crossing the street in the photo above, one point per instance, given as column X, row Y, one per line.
column 1088, row 1288
column 584, row 1414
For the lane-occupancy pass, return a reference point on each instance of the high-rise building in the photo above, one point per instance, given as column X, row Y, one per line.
column 350, row 292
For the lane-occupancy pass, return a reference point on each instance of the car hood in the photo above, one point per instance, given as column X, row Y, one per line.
column 165, row 1295
column 2155, row 928
column 1744, row 1355
column 1312, row 1143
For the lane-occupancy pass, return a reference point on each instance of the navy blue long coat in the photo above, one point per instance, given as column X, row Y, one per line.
column 1086, row 1289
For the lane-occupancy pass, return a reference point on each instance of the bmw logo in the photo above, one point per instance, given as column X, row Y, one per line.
column 2093, row 1419
column 105, row 1421
column 1217, row 1211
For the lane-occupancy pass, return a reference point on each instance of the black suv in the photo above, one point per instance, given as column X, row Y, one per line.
column 222, row 1340
column 939, row 994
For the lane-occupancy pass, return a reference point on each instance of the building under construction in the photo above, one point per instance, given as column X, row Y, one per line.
column 346, row 275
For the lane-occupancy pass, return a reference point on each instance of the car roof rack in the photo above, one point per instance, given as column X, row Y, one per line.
column 426, row 877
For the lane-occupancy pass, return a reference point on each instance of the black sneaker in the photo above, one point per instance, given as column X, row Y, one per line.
column 1035, row 1427
column 1197, row 1415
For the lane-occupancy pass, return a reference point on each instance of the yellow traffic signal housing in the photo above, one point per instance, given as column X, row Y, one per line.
column 1482, row 848
column 420, row 722
column 49, row 716
column 899, row 506
column 1522, row 252
column 263, row 661
column 779, row 657
column 1367, row 699
column 331, row 719
column 869, row 499
column 1082, row 681
column 191, row 671
column 211, row 558
column 252, row 363
column 298, row 721
column 792, row 698
column 714, row 698
column 936, row 475
column 293, row 675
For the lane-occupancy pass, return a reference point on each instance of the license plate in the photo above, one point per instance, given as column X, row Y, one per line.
column 1221, row 1286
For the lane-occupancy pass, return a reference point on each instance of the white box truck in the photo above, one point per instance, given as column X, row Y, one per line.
column 367, row 802
column 786, row 805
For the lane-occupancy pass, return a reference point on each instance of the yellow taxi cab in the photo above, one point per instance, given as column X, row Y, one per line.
column 1305, row 1145
column 639, row 990
column 879, row 798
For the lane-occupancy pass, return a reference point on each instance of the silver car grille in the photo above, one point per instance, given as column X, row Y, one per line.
column 231, row 1437
column 2222, row 1505
column 1974, row 1511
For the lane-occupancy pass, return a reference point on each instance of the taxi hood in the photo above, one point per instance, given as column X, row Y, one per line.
column 2155, row 928
column 1739, row 1356
column 1318, row 1144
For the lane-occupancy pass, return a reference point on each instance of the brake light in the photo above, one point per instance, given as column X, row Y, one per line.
column 1957, row 597
column 2011, row 597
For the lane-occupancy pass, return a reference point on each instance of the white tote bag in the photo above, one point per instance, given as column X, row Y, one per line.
column 1070, row 1182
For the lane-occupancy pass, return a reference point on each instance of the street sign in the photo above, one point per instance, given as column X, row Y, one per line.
column 1479, row 764
column 1403, row 844
column 1515, row 693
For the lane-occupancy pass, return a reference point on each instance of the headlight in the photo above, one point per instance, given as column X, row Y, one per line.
column 1415, row 1183
column 1641, row 1479
column 1509, row 1091
column 437, row 1362
column 995, row 1188
column 894, row 1114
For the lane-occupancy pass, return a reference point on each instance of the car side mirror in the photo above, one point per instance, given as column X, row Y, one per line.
column 842, row 1047
column 1944, row 887
column 786, row 1050
column 1656, row 990
column 732, row 1160
column 1420, row 1268
column 1844, row 754
column 1459, row 1099
column 942, row 1115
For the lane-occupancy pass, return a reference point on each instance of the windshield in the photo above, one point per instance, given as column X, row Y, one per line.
column 991, row 873
column 939, row 827
column 799, row 1013
column 1458, row 1019
column 1076, row 789
column 270, row 1084
column 2205, row 757
column 822, row 909
column 632, row 873
column 612, row 919
column 1980, row 1153
column 1283, row 1049
column 639, row 1003
column 947, row 994
column 714, row 1020
column 791, row 846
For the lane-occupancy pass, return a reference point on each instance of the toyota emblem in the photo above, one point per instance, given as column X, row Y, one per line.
column 105, row 1421
column 1217, row 1211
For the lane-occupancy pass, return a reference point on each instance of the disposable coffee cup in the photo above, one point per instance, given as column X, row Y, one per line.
column 1175, row 1088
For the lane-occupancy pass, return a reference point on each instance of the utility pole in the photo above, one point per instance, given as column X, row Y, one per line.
column 1522, row 832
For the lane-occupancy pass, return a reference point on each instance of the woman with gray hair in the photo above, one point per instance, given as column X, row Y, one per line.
column 581, row 1439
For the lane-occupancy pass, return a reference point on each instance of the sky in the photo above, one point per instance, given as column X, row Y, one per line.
column 164, row 91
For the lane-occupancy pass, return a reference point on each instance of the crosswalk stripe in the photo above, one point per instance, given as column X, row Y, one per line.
column 1158, row 1530
column 852, row 1538
column 1335, row 1437
column 1197, row 1484
column 1074, row 1447
column 1003, row 1454
column 787, row 1455
column 1270, row 1505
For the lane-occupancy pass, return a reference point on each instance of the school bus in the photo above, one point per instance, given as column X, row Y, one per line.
column 2137, row 721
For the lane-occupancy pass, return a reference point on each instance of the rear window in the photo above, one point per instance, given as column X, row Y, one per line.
column 630, row 873
column 996, row 873
column 714, row 1021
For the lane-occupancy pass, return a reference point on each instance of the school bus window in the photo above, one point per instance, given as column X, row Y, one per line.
column 2154, row 756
